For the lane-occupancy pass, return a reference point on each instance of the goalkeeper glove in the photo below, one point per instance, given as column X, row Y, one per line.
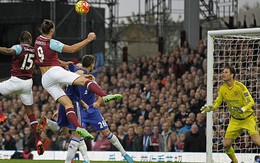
column 206, row 108
column 237, row 109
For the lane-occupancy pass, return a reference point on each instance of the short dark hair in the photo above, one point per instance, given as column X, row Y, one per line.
column 231, row 69
column 25, row 37
column 46, row 26
column 87, row 60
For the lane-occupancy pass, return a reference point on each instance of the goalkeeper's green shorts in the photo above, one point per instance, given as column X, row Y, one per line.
column 235, row 127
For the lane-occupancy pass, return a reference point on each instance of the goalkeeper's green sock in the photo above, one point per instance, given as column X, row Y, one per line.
column 231, row 154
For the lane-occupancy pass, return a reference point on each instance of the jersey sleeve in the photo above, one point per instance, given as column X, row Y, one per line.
column 219, row 99
column 73, row 68
column 18, row 49
column 56, row 45
column 248, row 98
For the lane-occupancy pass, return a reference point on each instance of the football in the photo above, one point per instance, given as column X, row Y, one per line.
column 82, row 7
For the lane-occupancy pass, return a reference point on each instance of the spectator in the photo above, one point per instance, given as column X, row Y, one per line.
column 128, row 139
column 165, row 137
column 19, row 142
column 154, row 139
column 185, row 128
column 195, row 141
column 200, row 121
column 102, row 144
column 182, row 114
column 28, row 139
column 146, row 138
column 9, row 142
column 138, row 139
column 172, row 144
column 120, row 133
column 180, row 143
column 141, row 120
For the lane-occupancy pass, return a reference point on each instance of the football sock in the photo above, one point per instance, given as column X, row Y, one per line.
column 114, row 140
column 94, row 88
column 33, row 124
column 231, row 153
column 72, row 117
column 53, row 125
column 83, row 149
column 72, row 149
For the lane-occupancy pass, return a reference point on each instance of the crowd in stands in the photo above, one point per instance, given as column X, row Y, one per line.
column 160, row 110
column 162, row 95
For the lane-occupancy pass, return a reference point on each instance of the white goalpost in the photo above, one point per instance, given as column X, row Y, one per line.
column 239, row 48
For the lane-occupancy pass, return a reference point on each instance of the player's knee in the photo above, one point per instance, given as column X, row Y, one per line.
column 80, row 81
column 256, row 140
column 108, row 135
column 227, row 145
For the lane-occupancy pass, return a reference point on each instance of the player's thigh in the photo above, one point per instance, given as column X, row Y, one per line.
column 64, row 100
column 27, row 94
column 54, row 89
column 97, row 121
column 10, row 86
column 234, row 129
column 256, row 138
column 58, row 75
column 250, row 124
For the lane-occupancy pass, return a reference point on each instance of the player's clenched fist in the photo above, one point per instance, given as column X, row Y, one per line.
column 206, row 108
column 91, row 36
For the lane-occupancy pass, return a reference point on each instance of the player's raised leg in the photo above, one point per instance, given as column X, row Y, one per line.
column 66, row 102
column 91, row 85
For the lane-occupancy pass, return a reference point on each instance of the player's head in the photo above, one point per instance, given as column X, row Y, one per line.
column 25, row 37
column 228, row 73
column 88, row 61
column 47, row 27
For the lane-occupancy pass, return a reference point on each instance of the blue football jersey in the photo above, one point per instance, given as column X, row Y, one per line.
column 92, row 116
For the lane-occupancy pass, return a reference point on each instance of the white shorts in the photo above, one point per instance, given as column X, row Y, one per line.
column 20, row 87
column 54, row 78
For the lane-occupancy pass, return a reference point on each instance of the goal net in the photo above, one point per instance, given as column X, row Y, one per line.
column 241, row 49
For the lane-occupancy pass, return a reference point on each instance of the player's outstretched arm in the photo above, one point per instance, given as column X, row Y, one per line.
column 76, row 47
column 8, row 51
column 98, row 102
column 206, row 108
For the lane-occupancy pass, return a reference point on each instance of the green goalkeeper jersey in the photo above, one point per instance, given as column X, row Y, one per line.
column 235, row 96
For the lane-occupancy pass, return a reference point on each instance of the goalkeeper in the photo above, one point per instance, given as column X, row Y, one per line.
column 240, row 103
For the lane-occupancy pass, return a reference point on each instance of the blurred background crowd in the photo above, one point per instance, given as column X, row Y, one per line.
column 162, row 95
column 160, row 109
